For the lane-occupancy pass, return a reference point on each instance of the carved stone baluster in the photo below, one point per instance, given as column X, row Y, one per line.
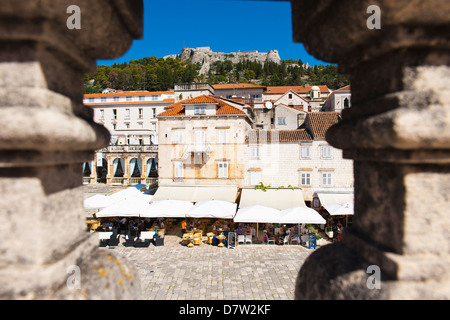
column 46, row 134
column 398, row 134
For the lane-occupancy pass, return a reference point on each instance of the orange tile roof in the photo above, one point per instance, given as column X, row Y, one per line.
column 127, row 93
column 129, row 102
column 204, row 99
column 319, row 122
column 265, row 136
column 346, row 88
column 178, row 108
column 296, row 89
column 237, row 86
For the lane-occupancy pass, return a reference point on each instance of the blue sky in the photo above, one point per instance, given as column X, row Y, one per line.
column 223, row 25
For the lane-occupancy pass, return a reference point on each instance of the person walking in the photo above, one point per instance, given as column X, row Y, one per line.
column 183, row 227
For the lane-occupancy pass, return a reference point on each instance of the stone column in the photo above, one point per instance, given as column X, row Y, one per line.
column 46, row 133
column 398, row 134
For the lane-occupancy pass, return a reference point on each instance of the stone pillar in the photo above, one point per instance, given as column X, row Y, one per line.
column 398, row 134
column 45, row 136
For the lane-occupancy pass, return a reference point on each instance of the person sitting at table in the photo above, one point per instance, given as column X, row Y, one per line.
column 109, row 225
column 279, row 239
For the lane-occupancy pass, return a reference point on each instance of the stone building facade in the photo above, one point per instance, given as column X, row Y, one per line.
column 299, row 158
column 202, row 141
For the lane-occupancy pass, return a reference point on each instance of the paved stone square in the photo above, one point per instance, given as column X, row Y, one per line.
column 205, row 272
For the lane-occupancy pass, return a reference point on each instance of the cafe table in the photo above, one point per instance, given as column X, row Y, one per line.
column 221, row 238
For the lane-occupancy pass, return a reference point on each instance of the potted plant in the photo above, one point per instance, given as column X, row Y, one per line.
column 329, row 232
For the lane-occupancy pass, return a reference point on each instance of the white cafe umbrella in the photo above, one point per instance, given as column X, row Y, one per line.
column 131, row 207
column 299, row 215
column 341, row 209
column 213, row 209
column 257, row 214
column 100, row 201
column 167, row 209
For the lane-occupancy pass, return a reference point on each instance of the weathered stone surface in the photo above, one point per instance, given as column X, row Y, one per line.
column 398, row 134
column 45, row 136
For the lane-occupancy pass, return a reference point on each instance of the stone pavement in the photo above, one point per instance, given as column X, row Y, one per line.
column 247, row 272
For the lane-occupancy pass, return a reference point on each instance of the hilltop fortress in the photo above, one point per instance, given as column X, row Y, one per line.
column 205, row 56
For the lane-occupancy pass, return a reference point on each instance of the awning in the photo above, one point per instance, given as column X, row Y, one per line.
column 196, row 193
column 131, row 207
column 337, row 203
column 167, row 209
column 301, row 215
column 213, row 209
column 257, row 214
column 274, row 198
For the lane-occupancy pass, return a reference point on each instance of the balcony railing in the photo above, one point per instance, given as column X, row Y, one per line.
column 130, row 148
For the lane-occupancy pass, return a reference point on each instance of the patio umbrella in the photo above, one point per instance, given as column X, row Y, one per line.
column 257, row 214
column 167, row 209
column 213, row 209
column 301, row 215
column 131, row 207
column 100, row 201
column 341, row 209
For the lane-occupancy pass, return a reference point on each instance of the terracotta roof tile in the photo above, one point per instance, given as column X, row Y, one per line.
column 127, row 93
column 237, row 86
column 346, row 88
column 178, row 109
column 319, row 122
column 296, row 89
column 278, row 136
column 199, row 100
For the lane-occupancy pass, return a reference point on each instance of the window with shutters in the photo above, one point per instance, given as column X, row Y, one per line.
column 306, row 178
column 255, row 177
column 305, row 152
column 223, row 169
column 327, row 152
column 179, row 169
column 327, row 179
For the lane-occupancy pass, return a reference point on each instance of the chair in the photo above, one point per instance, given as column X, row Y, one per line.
column 286, row 239
column 248, row 238
column 295, row 239
column 197, row 239
column 210, row 236
column 305, row 239
column 269, row 240
column 241, row 238
column 103, row 237
column 186, row 239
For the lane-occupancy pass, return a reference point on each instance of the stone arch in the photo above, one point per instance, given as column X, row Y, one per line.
column 152, row 168
column 118, row 168
column 135, row 170
column 102, row 172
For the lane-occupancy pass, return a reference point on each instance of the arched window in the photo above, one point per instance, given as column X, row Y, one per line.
column 135, row 167
column 346, row 103
column 118, row 168
column 102, row 172
column 152, row 167
column 86, row 169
